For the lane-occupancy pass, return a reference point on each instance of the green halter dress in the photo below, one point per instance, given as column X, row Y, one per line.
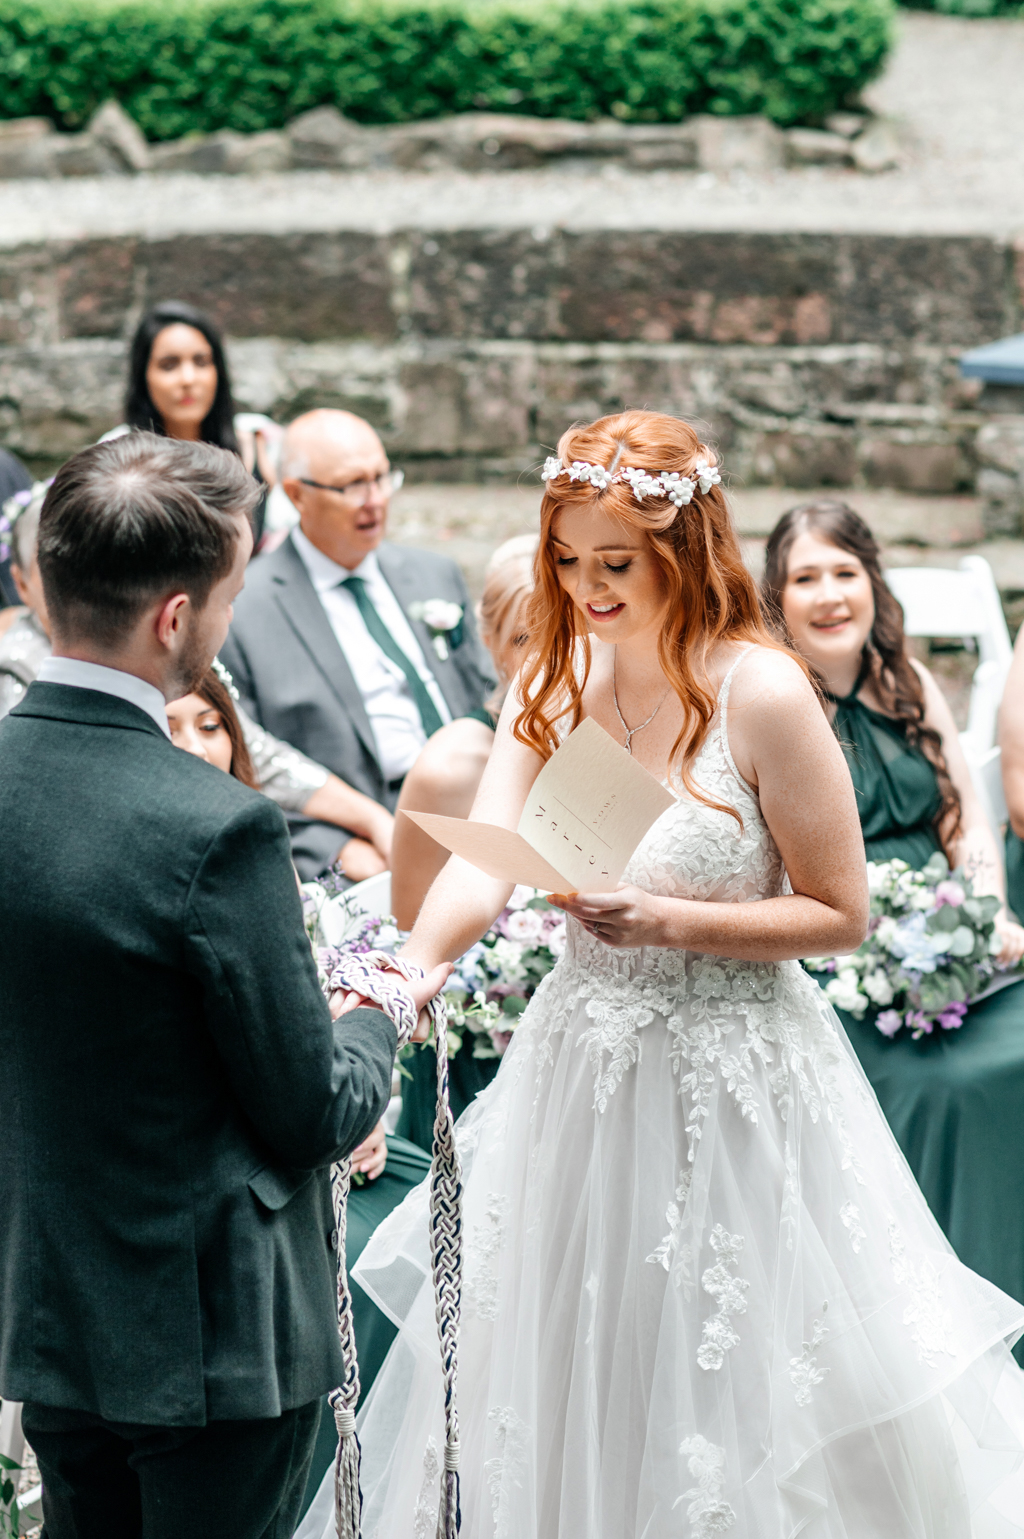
column 955, row 1099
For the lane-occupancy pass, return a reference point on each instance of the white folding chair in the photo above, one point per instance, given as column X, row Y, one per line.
column 939, row 601
column 373, row 895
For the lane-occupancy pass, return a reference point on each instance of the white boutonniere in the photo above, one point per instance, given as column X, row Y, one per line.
column 443, row 620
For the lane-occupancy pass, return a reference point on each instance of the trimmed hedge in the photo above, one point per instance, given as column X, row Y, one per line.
column 184, row 66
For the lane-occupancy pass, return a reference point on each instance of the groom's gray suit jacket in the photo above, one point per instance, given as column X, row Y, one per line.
column 295, row 681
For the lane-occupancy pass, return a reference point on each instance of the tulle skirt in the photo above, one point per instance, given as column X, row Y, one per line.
column 703, row 1294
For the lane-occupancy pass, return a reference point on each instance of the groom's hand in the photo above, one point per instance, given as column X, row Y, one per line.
column 421, row 989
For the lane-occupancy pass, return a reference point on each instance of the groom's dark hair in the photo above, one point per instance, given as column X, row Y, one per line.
column 131, row 519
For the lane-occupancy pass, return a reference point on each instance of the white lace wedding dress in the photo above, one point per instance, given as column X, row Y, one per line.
column 703, row 1294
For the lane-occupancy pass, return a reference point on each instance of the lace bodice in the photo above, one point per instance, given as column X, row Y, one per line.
column 697, row 851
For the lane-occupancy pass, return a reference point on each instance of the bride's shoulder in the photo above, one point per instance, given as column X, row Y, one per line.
column 769, row 678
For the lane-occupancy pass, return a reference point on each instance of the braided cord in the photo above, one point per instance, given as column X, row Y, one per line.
column 362, row 974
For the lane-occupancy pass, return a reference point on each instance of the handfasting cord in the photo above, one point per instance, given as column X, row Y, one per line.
column 364, row 974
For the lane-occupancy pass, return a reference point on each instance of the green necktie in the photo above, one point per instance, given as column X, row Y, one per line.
column 429, row 715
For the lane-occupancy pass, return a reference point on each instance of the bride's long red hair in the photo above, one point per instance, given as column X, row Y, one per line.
column 711, row 595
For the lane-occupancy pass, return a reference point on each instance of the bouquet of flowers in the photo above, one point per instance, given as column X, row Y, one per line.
column 930, row 950
column 496, row 979
column 338, row 925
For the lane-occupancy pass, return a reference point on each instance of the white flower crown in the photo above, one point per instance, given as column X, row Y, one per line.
column 664, row 483
column 226, row 679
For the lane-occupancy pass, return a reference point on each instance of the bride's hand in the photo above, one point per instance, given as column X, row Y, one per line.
column 628, row 917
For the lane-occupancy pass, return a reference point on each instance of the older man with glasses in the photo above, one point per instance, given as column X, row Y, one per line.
column 353, row 650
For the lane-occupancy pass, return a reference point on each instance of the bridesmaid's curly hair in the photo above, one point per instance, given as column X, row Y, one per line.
column 893, row 677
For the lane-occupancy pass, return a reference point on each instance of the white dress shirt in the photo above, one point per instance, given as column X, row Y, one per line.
column 109, row 681
column 393, row 713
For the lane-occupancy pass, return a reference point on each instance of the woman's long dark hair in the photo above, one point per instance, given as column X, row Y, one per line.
column 139, row 411
column 214, row 691
column 889, row 668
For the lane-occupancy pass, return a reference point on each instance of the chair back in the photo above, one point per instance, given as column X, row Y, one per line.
column 373, row 895
column 940, row 601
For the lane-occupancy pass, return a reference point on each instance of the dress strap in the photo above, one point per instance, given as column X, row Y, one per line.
column 723, row 709
column 726, row 684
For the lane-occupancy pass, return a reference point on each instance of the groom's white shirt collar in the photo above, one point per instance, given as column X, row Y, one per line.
column 109, row 681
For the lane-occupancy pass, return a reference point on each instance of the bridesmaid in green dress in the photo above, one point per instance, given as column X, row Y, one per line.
column 955, row 1099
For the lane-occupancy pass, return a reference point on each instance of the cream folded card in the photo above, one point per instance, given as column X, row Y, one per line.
column 589, row 808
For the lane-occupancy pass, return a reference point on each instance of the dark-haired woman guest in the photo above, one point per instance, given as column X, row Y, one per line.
column 179, row 386
column 206, row 724
column 955, row 1099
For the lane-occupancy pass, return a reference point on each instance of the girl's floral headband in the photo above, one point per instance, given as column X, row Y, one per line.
column 664, row 483
column 12, row 510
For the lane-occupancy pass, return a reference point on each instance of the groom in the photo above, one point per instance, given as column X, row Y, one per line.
column 174, row 1085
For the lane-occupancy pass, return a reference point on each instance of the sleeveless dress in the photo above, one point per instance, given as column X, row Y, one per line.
column 954, row 1100
column 702, row 1293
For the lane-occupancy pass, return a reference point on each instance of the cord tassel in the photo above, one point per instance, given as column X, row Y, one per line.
column 348, row 1497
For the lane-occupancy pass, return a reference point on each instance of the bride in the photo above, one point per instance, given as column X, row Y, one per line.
column 703, row 1294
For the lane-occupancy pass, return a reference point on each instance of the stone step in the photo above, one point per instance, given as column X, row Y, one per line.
column 842, row 414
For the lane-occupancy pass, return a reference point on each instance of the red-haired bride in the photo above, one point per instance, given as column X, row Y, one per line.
column 702, row 1293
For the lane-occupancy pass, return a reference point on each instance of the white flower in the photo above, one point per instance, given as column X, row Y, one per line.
column 878, row 878
column 582, row 470
column 923, row 900
column 706, row 474
column 642, row 482
column 521, row 896
column 878, row 989
column 525, row 925
column 437, row 614
column 886, row 933
column 556, row 940
column 553, row 468
column 679, row 489
column 507, row 957
column 843, row 993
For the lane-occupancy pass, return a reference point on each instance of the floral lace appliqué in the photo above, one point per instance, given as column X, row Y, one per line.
column 672, row 1254
column 483, row 1244
column 424, row 1519
column 708, row 1513
column 804, row 1372
column 505, row 1472
column 849, row 1213
column 930, row 1322
column 718, row 1336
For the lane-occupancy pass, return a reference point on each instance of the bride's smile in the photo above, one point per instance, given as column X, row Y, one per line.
column 608, row 572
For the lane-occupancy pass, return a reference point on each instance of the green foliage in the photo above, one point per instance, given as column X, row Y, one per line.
column 198, row 65
column 10, row 1518
column 968, row 7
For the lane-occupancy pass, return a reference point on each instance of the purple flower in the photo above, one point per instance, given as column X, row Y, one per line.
column 889, row 1022
column 949, row 892
column 953, row 1015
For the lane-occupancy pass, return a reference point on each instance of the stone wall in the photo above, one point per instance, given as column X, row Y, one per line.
column 814, row 359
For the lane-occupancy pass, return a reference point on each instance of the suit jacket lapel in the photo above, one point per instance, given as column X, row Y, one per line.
column 305, row 614
column 402, row 577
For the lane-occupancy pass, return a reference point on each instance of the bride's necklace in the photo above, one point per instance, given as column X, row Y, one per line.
column 632, row 731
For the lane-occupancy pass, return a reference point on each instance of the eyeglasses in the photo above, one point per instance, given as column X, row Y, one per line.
column 358, row 493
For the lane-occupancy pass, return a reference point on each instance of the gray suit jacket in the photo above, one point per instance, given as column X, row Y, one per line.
column 295, row 681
